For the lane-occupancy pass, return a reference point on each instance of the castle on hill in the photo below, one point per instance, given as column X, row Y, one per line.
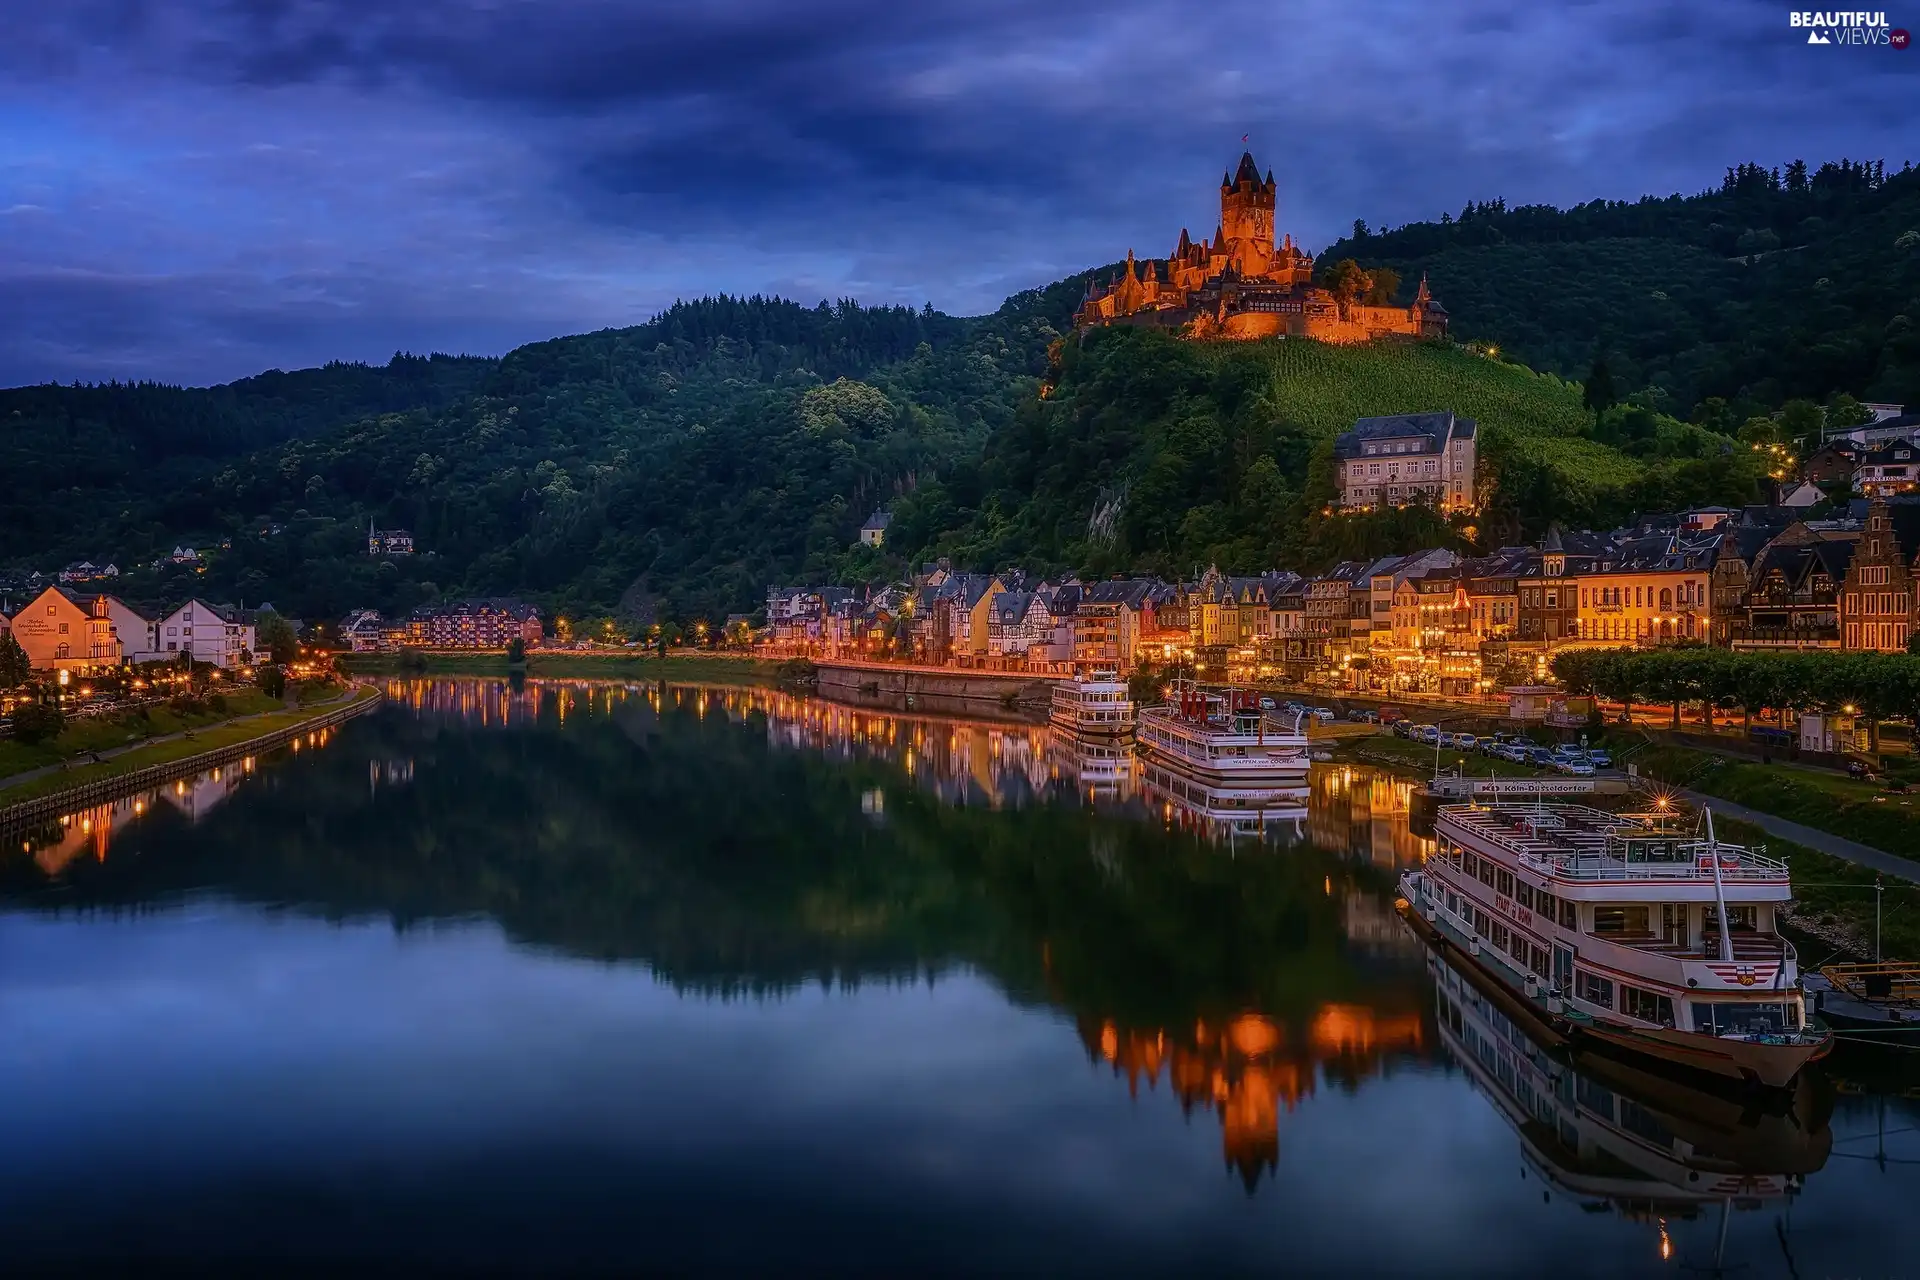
column 1241, row 284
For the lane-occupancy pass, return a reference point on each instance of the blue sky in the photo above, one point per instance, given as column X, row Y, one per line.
column 199, row 189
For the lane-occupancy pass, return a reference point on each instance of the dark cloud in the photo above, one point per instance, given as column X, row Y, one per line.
column 191, row 190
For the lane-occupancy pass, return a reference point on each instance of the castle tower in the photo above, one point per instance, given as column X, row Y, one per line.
column 1246, row 206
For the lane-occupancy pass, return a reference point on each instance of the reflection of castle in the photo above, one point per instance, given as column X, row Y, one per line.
column 1241, row 284
column 1250, row 1069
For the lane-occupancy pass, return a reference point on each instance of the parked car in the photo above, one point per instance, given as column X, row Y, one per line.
column 1599, row 758
column 1539, row 757
column 1364, row 716
column 1267, row 704
column 1465, row 741
column 1322, row 714
column 1578, row 768
column 1391, row 715
column 1427, row 733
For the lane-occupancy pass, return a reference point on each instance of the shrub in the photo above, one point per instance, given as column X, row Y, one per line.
column 37, row 722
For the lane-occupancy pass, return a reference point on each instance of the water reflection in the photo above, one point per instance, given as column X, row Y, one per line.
column 807, row 928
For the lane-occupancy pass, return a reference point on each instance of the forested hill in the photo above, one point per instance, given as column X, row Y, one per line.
column 675, row 468
column 672, row 467
column 1781, row 283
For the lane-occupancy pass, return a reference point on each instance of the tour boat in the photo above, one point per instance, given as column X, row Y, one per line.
column 1224, row 739
column 1093, row 705
column 1259, row 812
column 1611, row 924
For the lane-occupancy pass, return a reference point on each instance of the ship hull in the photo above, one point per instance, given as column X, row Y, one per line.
column 1699, row 1057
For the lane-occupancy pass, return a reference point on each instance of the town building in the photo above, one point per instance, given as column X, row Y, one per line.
column 216, row 634
column 874, row 531
column 1242, row 284
column 1407, row 458
column 1884, row 470
column 88, row 571
column 1649, row 590
column 66, row 630
column 474, row 624
column 1793, row 592
column 364, row 631
column 386, row 543
column 1877, row 598
column 138, row 634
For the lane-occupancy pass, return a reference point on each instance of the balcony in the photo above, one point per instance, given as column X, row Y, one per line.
column 1788, row 638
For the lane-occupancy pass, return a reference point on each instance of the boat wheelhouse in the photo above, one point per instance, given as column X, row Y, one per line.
column 1225, row 739
column 1613, row 922
column 1093, row 705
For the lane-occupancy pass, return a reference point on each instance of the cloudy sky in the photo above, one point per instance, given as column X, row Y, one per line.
column 194, row 190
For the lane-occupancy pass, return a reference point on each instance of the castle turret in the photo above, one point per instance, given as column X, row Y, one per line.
column 1246, row 206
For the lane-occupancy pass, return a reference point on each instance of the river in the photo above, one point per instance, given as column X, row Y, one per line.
column 561, row 976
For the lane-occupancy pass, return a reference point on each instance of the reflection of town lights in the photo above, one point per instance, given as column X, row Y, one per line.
column 1666, row 1242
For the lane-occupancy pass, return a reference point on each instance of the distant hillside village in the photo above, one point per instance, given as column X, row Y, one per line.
column 1804, row 573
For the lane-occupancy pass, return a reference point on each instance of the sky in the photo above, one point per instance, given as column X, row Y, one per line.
column 196, row 190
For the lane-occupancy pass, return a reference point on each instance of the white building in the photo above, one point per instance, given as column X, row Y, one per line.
column 1407, row 458
column 212, row 634
column 138, row 634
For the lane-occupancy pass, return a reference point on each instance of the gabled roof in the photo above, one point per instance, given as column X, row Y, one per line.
column 1437, row 429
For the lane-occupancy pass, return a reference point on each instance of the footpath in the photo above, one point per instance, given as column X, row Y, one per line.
column 1853, row 851
column 300, row 720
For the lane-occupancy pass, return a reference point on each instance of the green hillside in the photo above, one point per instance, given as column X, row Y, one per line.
column 1198, row 453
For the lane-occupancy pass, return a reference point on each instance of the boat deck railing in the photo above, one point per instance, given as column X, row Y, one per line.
column 1576, row 842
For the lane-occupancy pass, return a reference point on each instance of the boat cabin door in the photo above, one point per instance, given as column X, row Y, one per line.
column 1563, row 969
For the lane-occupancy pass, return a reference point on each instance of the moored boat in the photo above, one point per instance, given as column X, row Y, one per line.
column 1611, row 924
column 1229, row 812
column 1869, row 1004
column 1225, row 739
column 1094, row 705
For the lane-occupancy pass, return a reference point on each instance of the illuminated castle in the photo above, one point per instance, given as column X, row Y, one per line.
column 1241, row 284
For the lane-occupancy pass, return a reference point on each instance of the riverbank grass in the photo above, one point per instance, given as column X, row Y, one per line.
column 1830, row 802
column 224, row 734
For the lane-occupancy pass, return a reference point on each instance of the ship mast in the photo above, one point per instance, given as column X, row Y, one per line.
column 1719, row 893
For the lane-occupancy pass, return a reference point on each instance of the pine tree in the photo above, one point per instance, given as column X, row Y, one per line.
column 1599, row 395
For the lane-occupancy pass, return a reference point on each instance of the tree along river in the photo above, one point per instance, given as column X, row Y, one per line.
column 554, row 976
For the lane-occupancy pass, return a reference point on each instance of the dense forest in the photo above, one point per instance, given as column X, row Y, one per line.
column 1782, row 282
column 673, row 469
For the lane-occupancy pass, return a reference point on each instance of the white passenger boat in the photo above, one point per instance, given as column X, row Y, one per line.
column 1092, row 706
column 1225, row 739
column 1612, row 924
column 1104, row 768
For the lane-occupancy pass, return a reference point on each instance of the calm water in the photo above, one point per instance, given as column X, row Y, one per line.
column 581, row 977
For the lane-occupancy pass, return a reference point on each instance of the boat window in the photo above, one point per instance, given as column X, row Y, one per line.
column 1524, row 893
column 1472, row 865
column 1646, row 1005
column 1540, row 961
column 1595, row 1097
column 1481, row 925
column 1500, row 937
column 1486, row 873
column 1744, row 917
column 1569, row 916
column 1620, row 919
column 1743, row 1018
column 1594, row 989
column 1503, row 883
column 1544, row 904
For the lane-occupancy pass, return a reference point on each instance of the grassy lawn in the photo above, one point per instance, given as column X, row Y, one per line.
column 1838, row 895
column 203, row 739
column 1830, row 802
column 101, row 733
